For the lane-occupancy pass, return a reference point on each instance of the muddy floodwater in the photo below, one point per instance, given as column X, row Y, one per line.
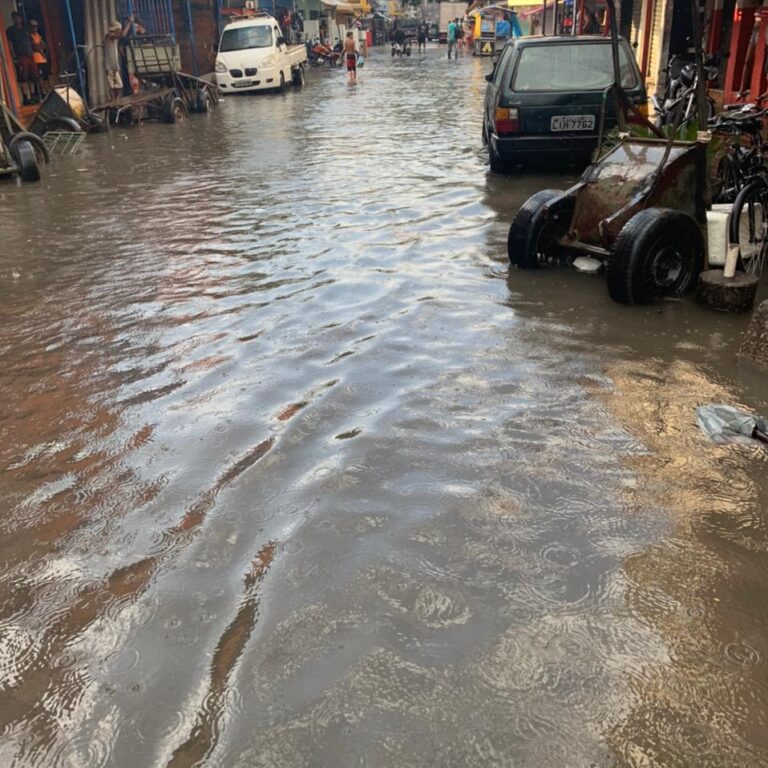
column 296, row 474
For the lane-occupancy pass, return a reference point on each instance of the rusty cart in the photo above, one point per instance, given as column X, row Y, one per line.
column 165, row 92
column 640, row 209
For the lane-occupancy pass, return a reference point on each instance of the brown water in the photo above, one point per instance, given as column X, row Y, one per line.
column 295, row 474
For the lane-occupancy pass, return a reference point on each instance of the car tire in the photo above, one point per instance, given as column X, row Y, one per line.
column 298, row 77
column 532, row 236
column 26, row 161
column 281, row 87
column 41, row 151
column 174, row 110
column 658, row 252
column 495, row 160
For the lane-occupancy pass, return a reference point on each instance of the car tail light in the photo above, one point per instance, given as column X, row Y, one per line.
column 507, row 120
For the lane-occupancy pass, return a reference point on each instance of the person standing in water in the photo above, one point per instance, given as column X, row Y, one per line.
column 452, row 39
column 421, row 36
column 350, row 56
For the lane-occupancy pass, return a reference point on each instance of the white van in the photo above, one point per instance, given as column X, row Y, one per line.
column 254, row 56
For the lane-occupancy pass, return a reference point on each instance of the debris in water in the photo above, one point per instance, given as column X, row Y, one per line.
column 726, row 424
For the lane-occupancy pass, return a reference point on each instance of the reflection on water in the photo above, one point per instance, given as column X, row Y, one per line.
column 296, row 475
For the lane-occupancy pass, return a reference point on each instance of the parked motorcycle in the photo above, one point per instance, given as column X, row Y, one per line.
column 319, row 54
column 678, row 105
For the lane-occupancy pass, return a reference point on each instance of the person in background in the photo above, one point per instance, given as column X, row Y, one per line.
column 131, row 29
column 452, row 38
column 421, row 35
column 459, row 36
column 503, row 29
column 112, row 59
column 517, row 30
column 40, row 55
column 26, row 71
column 587, row 22
column 350, row 56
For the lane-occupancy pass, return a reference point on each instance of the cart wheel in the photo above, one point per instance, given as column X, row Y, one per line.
column 533, row 238
column 281, row 87
column 174, row 110
column 63, row 124
column 298, row 77
column 42, row 154
column 26, row 161
column 97, row 124
column 203, row 101
column 659, row 252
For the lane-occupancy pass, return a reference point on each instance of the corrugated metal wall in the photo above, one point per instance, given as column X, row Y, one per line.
column 99, row 14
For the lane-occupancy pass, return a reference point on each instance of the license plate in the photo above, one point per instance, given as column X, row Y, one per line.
column 246, row 83
column 573, row 123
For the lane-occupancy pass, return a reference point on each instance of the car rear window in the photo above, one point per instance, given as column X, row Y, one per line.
column 570, row 67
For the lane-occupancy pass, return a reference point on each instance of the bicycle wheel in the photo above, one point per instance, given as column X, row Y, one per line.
column 749, row 225
column 728, row 180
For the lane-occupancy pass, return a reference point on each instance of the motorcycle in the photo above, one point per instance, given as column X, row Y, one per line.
column 678, row 105
column 319, row 54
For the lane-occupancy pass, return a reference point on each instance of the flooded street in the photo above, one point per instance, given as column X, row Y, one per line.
column 296, row 474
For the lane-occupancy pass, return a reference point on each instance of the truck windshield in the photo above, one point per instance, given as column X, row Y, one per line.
column 570, row 67
column 246, row 37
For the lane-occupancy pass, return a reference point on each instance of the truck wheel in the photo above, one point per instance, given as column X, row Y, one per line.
column 533, row 237
column 174, row 110
column 281, row 87
column 298, row 77
column 659, row 252
column 26, row 161
column 42, row 154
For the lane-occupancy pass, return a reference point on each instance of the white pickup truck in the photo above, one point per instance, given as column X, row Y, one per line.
column 253, row 56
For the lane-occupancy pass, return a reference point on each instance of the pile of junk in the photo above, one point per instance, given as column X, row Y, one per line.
column 59, row 125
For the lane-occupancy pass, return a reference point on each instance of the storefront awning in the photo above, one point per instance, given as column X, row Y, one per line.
column 341, row 7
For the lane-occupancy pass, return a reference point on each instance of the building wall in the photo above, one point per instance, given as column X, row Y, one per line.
column 206, row 34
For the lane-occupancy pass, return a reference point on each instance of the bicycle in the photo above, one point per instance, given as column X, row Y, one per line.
column 749, row 224
column 741, row 163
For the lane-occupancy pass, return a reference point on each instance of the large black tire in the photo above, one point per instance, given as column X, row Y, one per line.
column 281, row 87
column 63, row 124
column 41, row 151
column 203, row 101
column 659, row 252
column 749, row 224
column 533, row 237
column 26, row 162
column 174, row 110
column 297, row 77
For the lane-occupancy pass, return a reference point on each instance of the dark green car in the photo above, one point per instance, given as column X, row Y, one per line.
column 542, row 104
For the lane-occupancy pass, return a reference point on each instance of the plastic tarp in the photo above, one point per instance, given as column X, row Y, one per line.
column 726, row 424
